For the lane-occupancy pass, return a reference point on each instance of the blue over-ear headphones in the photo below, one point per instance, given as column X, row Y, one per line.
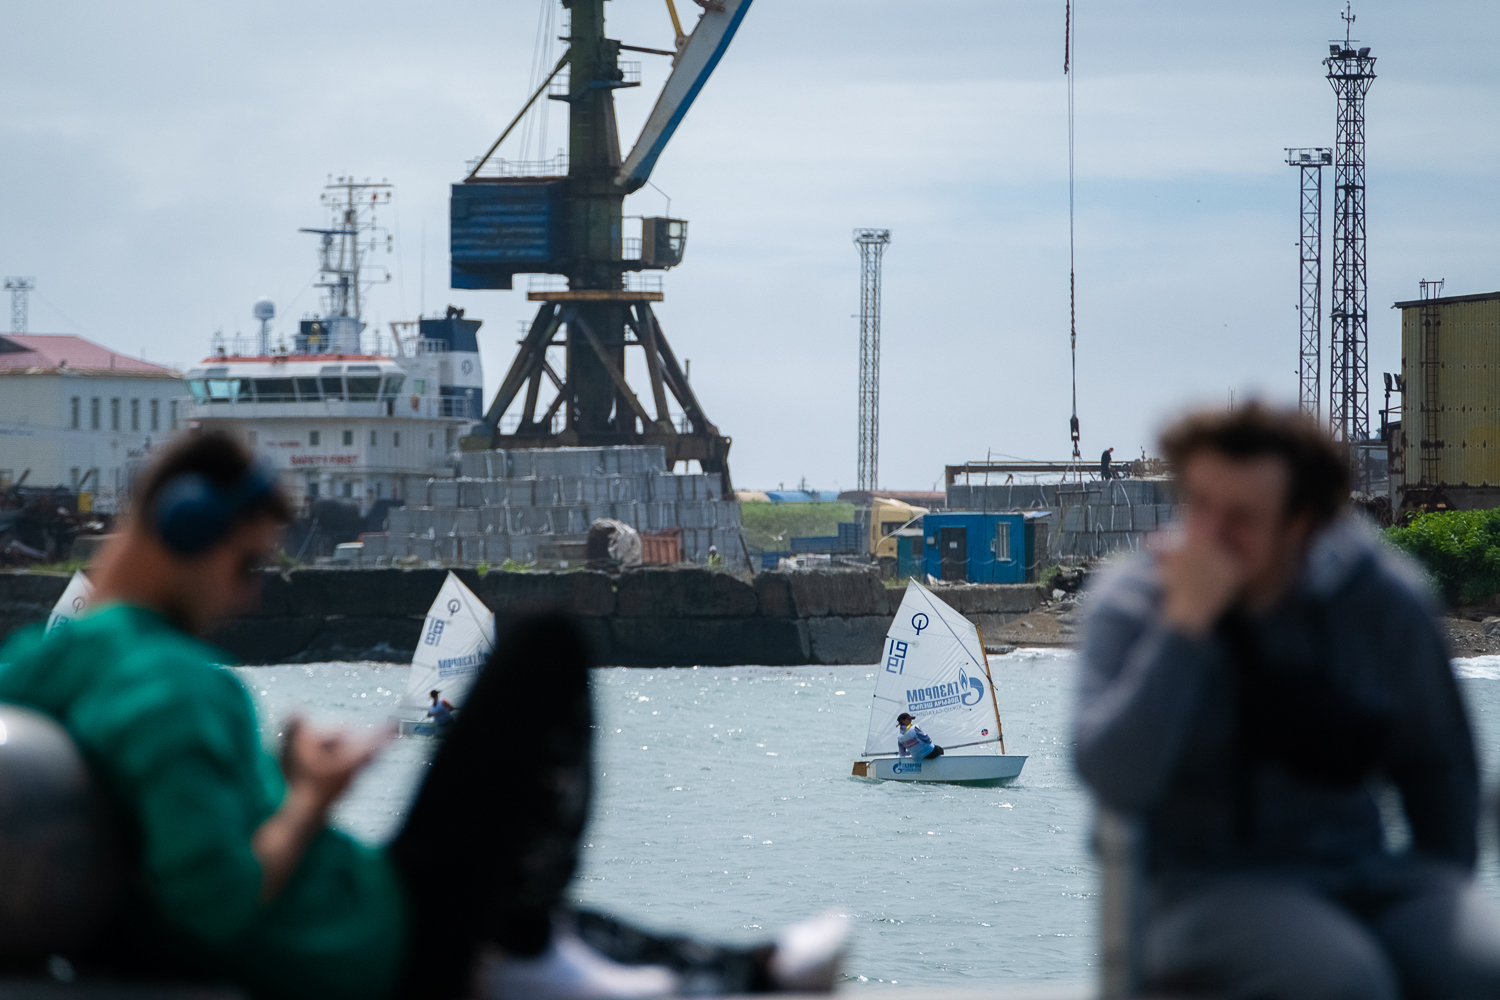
column 192, row 515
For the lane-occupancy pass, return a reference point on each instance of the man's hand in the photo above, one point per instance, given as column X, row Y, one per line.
column 1200, row 579
column 318, row 767
column 320, row 764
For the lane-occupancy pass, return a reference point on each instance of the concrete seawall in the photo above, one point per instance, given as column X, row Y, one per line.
column 657, row 617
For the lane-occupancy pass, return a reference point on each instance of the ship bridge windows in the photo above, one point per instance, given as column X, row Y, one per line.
column 220, row 390
column 307, row 388
column 393, row 384
column 275, row 390
column 364, row 388
column 333, row 387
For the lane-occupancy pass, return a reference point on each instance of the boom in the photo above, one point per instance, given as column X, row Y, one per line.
column 705, row 47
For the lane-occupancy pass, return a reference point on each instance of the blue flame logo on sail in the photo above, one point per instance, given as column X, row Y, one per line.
column 953, row 694
column 972, row 688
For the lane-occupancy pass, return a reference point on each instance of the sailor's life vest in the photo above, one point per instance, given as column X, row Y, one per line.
column 912, row 742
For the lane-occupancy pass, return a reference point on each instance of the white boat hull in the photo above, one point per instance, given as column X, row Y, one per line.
column 414, row 727
column 976, row 769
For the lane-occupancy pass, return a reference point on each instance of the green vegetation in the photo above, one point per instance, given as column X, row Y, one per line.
column 771, row 526
column 1460, row 548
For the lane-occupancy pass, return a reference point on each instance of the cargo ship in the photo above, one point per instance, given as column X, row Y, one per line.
column 336, row 419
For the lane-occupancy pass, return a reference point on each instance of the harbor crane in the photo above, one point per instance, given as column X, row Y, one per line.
column 521, row 218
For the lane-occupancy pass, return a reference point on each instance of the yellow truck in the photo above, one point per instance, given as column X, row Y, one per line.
column 886, row 517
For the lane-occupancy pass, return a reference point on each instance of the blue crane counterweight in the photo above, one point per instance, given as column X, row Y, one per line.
column 571, row 225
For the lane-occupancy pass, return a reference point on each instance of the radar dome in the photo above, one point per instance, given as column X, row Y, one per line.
column 264, row 309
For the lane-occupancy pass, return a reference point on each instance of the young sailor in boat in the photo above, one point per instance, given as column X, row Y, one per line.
column 440, row 711
column 912, row 742
column 236, row 875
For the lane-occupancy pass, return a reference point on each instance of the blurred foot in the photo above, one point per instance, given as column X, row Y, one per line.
column 808, row 955
column 571, row 970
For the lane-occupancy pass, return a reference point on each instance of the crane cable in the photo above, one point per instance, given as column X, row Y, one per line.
column 1072, row 293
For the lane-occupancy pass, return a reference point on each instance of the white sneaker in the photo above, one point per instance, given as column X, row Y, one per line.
column 571, row 970
column 808, row 955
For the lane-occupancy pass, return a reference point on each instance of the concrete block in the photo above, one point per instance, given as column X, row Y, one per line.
column 248, row 640
column 442, row 493
column 471, row 550
column 389, row 640
column 684, row 592
column 523, row 548
column 586, row 593
column 971, row 599
column 840, row 592
column 670, row 642
column 24, row 594
column 359, row 592
column 471, row 492
column 773, row 595
column 847, row 640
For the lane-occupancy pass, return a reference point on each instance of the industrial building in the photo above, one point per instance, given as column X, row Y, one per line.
column 78, row 415
column 1446, row 448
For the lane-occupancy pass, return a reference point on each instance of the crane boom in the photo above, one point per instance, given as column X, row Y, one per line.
column 705, row 47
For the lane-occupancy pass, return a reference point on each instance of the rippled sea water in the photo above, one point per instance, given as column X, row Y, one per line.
column 724, row 808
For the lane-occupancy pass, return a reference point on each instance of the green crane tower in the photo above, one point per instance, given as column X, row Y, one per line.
column 508, row 220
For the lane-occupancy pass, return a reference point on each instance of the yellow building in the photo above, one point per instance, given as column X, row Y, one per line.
column 1447, row 452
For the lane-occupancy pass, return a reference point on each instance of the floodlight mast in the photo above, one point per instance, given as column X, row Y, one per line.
column 872, row 244
column 1310, row 162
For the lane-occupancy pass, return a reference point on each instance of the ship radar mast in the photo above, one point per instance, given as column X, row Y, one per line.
column 349, row 241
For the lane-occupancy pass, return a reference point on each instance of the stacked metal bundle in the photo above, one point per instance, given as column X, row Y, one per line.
column 518, row 504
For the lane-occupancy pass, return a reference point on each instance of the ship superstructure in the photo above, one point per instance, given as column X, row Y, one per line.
column 336, row 420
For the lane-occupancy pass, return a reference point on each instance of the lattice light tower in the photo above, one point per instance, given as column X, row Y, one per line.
column 1310, row 271
column 1350, row 71
column 18, row 288
column 872, row 244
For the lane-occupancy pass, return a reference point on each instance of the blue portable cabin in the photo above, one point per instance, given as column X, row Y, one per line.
column 983, row 546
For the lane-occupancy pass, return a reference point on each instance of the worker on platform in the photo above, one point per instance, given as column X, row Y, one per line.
column 237, row 875
column 1105, row 472
column 714, row 559
column 911, row 742
column 1247, row 691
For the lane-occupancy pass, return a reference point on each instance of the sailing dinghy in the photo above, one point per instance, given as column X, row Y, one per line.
column 457, row 639
column 934, row 667
column 77, row 596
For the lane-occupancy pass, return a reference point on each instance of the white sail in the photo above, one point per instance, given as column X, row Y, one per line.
column 78, row 595
column 457, row 639
column 933, row 667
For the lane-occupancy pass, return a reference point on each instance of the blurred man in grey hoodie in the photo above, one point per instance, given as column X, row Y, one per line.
column 1247, row 691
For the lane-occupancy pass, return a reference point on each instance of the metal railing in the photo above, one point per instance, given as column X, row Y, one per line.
column 495, row 167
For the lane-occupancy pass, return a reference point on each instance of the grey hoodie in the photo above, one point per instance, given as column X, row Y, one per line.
column 1262, row 744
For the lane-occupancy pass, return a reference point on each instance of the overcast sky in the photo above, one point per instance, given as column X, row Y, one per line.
column 158, row 159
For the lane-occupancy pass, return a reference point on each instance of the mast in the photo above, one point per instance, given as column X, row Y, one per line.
column 994, row 702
